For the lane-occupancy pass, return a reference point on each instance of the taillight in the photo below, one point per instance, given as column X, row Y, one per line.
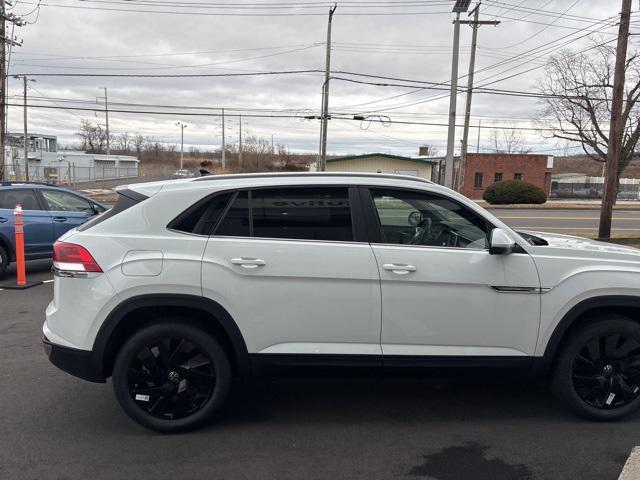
column 74, row 258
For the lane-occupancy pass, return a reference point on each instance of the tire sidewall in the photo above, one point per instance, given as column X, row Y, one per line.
column 562, row 382
column 4, row 261
column 172, row 328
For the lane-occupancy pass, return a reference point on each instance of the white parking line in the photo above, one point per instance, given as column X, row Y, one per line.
column 631, row 469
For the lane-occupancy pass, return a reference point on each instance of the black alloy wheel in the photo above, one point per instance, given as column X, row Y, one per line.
column 171, row 378
column 597, row 371
column 606, row 372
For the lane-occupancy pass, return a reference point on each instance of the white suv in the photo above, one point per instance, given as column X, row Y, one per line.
column 187, row 285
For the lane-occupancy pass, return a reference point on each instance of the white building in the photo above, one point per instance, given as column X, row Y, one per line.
column 47, row 164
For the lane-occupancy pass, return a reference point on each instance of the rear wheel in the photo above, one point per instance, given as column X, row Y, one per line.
column 597, row 374
column 4, row 261
column 171, row 377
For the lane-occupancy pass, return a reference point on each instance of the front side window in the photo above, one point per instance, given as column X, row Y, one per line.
column 302, row 213
column 23, row 196
column 65, row 202
column 418, row 218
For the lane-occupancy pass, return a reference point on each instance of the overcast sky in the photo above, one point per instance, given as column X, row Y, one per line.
column 408, row 39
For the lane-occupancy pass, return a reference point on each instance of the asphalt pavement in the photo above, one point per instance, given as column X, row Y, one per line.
column 625, row 222
column 54, row 426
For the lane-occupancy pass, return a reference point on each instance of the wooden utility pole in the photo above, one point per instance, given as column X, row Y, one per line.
column 240, row 141
column 616, row 126
column 325, row 94
column 475, row 24
column 224, row 146
column 26, row 133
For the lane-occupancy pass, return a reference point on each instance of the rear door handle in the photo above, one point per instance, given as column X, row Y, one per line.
column 248, row 262
column 59, row 219
column 399, row 268
column 3, row 219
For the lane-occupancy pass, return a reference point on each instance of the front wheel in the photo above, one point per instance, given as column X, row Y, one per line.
column 597, row 373
column 171, row 377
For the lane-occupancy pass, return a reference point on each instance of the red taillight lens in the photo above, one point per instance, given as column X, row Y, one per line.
column 71, row 257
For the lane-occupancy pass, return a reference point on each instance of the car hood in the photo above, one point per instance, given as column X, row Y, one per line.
column 581, row 246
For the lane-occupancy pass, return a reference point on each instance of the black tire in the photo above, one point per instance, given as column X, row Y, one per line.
column 4, row 261
column 597, row 373
column 171, row 377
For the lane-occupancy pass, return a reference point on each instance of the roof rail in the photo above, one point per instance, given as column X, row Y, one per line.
column 209, row 178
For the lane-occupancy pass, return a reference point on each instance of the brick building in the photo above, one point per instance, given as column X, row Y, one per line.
column 483, row 169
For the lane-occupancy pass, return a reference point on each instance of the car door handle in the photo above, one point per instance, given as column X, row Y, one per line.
column 3, row 219
column 248, row 262
column 399, row 268
column 59, row 219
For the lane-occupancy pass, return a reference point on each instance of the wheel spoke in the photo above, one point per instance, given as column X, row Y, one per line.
column 611, row 345
column 587, row 380
column 628, row 346
column 585, row 360
column 138, row 376
column 149, row 361
column 197, row 376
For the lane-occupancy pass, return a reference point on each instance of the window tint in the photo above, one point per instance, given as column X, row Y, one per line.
column 416, row 218
column 302, row 213
column 203, row 216
column 65, row 202
column 236, row 222
column 25, row 197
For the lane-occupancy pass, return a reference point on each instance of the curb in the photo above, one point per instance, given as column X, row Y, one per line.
column 631, row 469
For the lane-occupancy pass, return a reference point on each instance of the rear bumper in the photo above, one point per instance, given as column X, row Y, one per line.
column 79, row 363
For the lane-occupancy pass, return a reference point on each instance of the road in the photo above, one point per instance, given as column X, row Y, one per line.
column 625, row 222
column 55, row 426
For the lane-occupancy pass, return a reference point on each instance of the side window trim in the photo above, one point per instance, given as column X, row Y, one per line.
column 376, row 232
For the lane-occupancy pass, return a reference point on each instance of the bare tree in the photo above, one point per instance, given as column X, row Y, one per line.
column 92, row 137
column 138, row 143
column 508, row 140
column 577, row 103
column 124, row 142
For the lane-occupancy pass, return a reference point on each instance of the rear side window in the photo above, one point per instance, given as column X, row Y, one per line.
column 302, row 213
column 24, row 196
column 202, row 218
column 126, row 200
column 236, row 221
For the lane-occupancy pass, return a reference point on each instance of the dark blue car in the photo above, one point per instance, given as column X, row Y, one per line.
column 49, row 211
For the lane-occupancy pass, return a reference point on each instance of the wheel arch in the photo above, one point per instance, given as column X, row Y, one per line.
column 579, row 314
column 136, row 312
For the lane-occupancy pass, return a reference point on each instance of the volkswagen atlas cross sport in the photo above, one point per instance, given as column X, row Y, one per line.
column 187, row 285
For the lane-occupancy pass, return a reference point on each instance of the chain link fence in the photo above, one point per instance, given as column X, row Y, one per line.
column 592, row 190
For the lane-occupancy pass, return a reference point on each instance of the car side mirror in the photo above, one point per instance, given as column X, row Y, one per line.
column 500, row 243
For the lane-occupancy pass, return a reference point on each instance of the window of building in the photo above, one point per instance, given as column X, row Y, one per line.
column 418, row 218
column 302, row 213
column 517, row 176
column 477, row 180
column 498, row 177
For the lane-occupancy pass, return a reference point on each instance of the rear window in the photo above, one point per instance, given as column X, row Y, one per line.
column 126, row 200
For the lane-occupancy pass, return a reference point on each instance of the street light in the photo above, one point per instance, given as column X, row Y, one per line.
column 182, row 127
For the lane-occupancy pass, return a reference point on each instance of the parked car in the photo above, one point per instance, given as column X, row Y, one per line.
column 186, row 286
column 49, row 211
column 183, row 173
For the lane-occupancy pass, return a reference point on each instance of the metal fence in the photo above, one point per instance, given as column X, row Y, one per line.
column 72, row 174
column 562, row 190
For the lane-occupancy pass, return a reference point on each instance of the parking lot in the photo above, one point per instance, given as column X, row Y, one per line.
column 55, row 426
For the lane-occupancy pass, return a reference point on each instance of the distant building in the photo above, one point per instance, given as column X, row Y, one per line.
column 383, row 163
column 47, row 164
column 484, row 169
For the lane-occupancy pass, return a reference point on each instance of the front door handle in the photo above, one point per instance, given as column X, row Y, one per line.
column 399, row 268
column 60, row 219
column 3, row 220
column 248, row 262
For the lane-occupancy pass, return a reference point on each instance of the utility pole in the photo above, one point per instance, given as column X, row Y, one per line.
column 224, row 146
column 240, row 143
column 4, row 41
column 479, row 130
column 26, row 133
column 475, row 24
column 325, row 94
column 106, row 115
column 460, row 6
column 182, row 127
column 616, row 126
